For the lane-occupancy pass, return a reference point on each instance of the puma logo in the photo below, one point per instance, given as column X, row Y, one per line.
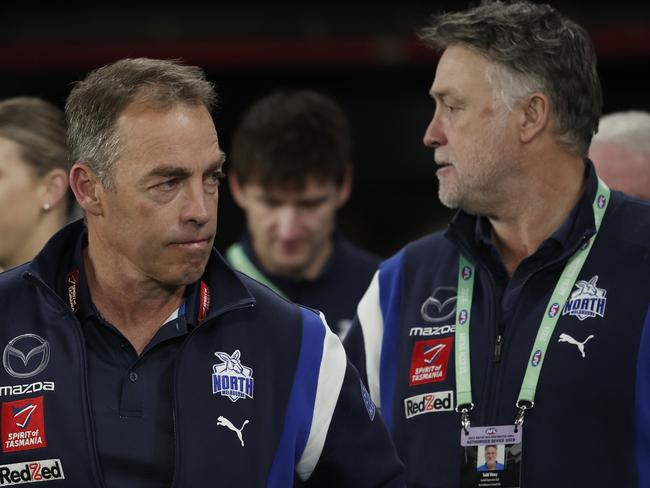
column 571, row 340
column 223, row 421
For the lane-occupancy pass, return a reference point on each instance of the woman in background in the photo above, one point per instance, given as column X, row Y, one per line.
column 34, row 162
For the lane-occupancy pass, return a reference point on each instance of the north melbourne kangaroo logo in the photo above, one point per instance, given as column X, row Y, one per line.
column 587, row 301
column 571, row 340
column 231, row 378
column 223, row 421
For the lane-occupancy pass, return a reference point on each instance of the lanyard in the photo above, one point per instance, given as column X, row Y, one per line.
column 466, row 272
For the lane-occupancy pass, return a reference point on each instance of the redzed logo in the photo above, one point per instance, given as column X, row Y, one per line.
column 31, row 472
column 23, row 425
column 439, row 401
column 429, row 361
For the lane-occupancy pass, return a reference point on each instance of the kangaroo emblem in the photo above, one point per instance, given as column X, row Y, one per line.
column 221, row 420
column 571, row 340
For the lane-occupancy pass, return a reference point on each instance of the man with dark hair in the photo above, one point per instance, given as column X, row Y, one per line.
column 134, row 356
column 524, row 321
column 291, row 172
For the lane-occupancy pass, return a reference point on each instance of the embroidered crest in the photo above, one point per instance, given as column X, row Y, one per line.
column 231, row 378
column 587, row 301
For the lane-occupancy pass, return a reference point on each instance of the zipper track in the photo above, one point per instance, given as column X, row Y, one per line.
column 176, row 381
column 95, row 464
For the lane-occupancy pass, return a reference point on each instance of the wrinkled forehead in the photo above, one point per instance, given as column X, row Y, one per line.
column 181, row 134
column 459, row 67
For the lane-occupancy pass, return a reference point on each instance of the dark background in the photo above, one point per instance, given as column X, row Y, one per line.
column 363, row 54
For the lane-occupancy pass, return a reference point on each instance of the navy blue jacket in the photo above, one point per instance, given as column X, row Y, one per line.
column 584, row 424
column 280, row 371
column 338, row 288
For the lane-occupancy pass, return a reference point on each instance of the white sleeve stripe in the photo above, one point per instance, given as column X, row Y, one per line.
column 330, row 380
column 372, row 326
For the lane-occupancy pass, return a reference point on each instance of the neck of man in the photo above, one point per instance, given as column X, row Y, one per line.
column 537, row 208
column 309, row 271
column 136, row 305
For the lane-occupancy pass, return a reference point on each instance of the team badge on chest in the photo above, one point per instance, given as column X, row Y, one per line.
column 429, row 361
column 587, row 301
column 231, row 378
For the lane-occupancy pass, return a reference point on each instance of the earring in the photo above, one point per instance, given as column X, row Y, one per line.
column 46, row 206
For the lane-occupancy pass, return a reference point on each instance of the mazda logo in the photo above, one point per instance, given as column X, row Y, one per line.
column 26, row 356
column 440, row 306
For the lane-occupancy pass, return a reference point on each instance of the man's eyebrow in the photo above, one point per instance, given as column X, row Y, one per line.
column 170, row 171
column 221, row 160
column 439, row 94
column 217, row 165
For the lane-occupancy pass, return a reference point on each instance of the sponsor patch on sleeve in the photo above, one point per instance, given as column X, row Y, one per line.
column 429, row 361
column 23, row 425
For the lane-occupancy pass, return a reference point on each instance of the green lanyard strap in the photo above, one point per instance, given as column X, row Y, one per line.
column 466, row 272
column 237, row 258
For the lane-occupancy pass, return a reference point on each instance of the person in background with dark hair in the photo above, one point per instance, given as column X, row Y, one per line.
column 527, row 319
column 620, row 151
column 34, row 163
column 291, row 172
column 135, row 356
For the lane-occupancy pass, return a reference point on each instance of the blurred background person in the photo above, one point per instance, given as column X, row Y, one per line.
column 34, row 162
column 620, row 151
column 290, row 173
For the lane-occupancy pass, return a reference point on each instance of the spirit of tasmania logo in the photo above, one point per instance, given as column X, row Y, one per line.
column 23, row 425
column 429, row 361
column 231, row 378
column 587, row 301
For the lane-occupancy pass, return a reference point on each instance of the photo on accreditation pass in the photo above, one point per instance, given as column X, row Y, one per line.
column 492, row 466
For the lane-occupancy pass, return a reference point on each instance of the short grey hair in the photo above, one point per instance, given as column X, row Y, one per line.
column 531, row 47
column 94, row 104
column 630, row 128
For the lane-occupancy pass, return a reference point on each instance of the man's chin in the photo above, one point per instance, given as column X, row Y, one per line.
column 293, row 268
column 449, row 201
column 183, row 276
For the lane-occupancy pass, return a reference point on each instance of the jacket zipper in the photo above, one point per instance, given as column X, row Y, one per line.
column 176, row 381
column 492, row 365
column 496, row 355
column 99, row 477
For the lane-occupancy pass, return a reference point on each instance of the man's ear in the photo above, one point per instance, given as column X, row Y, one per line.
column 53, row 187
column 345, row 188
column 237, row 191
column 534, row 117
column 87, row 189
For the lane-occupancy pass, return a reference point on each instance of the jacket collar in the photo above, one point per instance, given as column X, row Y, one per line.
column 59, row 263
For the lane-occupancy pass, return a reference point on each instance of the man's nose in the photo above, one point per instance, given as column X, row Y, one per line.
column 287, row 222
column 434, row 135
column 198, row 204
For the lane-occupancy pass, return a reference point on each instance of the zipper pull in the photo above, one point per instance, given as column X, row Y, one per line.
column 497, row 349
